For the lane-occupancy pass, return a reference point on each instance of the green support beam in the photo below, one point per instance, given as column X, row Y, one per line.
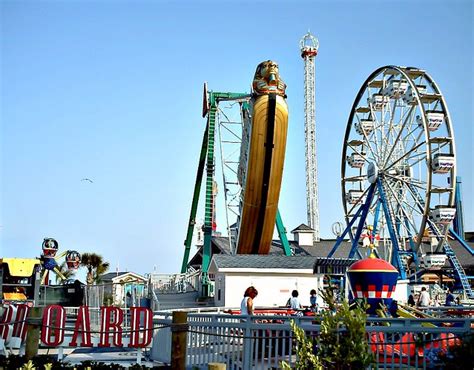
column 197, row 190
column 207, row 156
column 282, row 234
column 209, row 199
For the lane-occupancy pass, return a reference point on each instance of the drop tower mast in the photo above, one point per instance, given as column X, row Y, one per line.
column 309, row 49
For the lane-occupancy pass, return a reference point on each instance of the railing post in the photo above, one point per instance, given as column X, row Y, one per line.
column 179, row 329
column 247, row 358
column 33, row 332
column 216, row 366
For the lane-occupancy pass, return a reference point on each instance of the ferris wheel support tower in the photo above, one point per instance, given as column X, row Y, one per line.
column 309, row 49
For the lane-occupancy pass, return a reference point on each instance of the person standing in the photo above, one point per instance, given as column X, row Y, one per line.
column 424, row 298
column 246, row 306
column 449, row 298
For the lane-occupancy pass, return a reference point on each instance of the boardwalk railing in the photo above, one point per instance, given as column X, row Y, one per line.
column 263, row 342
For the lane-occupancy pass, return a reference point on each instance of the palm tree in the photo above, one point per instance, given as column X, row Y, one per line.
column 96, row 267
column 67, row 273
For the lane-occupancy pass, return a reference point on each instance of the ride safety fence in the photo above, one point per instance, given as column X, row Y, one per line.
column 259, row 342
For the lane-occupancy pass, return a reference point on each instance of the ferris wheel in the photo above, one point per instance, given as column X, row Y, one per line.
column 398, row 168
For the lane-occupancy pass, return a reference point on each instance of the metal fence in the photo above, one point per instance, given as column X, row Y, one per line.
column 262, row 343
column 175, row 283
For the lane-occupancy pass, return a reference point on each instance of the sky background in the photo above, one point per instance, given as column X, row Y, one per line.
column 112, row 91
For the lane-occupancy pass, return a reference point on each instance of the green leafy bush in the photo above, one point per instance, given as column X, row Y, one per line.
column 50, row 363
column 342, row 342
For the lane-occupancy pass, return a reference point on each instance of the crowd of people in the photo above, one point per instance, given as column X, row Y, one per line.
column 247, row 304
column 423, row 299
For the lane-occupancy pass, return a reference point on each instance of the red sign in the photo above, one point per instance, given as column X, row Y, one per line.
column 54, row 332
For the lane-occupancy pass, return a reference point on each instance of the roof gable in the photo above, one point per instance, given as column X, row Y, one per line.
column 122, row 276
column 303, row 228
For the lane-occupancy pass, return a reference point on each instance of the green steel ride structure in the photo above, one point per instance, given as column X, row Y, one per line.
column 207, row 157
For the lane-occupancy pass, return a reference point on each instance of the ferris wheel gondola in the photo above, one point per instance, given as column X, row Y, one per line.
column 398, row 166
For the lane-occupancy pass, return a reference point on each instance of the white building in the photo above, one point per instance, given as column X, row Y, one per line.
column 303, row 235
column 119, row 284
column 275, row 277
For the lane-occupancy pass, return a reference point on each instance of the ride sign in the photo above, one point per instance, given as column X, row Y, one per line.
column 55, row 332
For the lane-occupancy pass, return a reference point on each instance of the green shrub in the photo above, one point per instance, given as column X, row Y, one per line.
column 342, row 341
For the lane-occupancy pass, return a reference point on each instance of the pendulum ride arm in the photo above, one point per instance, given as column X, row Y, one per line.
column 282, row 234
column 197, row 190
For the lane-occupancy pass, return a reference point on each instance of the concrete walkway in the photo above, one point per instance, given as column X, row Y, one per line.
column 121, row 356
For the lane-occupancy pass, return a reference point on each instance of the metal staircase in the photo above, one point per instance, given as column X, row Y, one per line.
column 458, row 270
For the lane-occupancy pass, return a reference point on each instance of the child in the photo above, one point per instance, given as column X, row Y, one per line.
column 312, row 300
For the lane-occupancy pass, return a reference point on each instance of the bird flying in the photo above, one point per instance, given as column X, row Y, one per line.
column 86, row 179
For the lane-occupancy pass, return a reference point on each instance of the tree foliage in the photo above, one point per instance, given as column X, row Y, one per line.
column 96, row 267
column 343, row 340
column 67, row 273
column 307, row 359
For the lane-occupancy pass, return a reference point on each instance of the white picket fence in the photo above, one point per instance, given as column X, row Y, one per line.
column 263, row 342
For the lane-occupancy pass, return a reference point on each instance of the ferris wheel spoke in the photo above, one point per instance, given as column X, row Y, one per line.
column 377, row 124
column 359, row 200
column 420, row 207
column 414, row 210
column 414, row 194
column 410, row 133
column 401, row 202
column 367, row 140
column 413, row 149
column 405, row 121
column 409, row 181
column 421, row 156
column 384, row 131
column 355, row 178
column 417, row 198
column 387, row 136
column 391, row 129
column 362, row 154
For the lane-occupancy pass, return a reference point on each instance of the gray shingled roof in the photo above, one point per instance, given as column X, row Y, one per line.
column 111, row 275
column 302, row 227
column 264, row 261
column 220, row 246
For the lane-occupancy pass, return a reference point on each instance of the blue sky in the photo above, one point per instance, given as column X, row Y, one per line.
column 112, row 91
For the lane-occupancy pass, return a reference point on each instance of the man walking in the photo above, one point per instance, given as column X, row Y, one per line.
column 424, row 298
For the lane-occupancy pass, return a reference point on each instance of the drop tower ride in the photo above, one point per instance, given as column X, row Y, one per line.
column 309, row 49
